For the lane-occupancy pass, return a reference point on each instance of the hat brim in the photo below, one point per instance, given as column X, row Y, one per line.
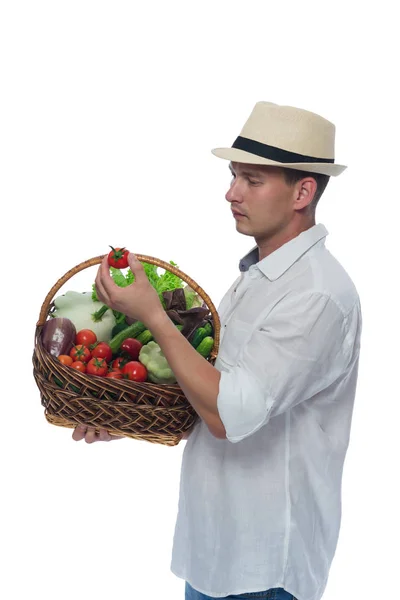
column 240, row 156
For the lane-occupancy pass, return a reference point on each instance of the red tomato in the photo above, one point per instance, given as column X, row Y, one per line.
column 135, row 371
column 80, row 352
column 86, row 337
column 79, row 366
column 119, row 363
column 118, row 258
column 102, row 350
column 97, row 366
column 65, row 359
column 132, row 347
column 114, row 374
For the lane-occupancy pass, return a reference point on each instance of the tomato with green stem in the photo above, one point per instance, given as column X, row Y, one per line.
column 97, row 366
column 119, row 363
column 118, row 258
column 80, row 352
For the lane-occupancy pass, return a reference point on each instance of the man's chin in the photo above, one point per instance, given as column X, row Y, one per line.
column 241, row 228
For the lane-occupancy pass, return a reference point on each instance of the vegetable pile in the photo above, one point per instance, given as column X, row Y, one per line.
column 86, row 335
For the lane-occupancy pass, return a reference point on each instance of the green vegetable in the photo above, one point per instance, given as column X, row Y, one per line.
column 58, row 382
column 205, row 346
column 145, row 337
column 192, row 298
column 208, row 328
column 129, row 332
column 151, row 272
column 119, row 327
column 121, row 281
column 161, row 283
column 158, row 369
column 119, row 278
column 85, row 313
column 168, row 281
column 198, row 336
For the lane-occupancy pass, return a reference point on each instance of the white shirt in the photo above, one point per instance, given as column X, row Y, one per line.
column 262, row 508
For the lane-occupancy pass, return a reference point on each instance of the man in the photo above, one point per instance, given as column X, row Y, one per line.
column 260, row 491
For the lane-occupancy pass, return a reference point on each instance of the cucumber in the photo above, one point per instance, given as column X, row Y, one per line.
column 205, row 346
column 198, row 336
column 130, row 332
column 118, row 327
column 58, row 382
column 145, row 337
column 209, row 328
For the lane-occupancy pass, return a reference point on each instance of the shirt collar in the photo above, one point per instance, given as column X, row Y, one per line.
column 279, row 261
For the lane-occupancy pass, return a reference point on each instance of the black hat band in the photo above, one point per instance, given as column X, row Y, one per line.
column 276, row 154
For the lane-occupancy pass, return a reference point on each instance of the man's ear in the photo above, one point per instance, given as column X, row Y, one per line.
column 305, row 191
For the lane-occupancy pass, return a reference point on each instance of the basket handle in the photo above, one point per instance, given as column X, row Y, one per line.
column 143, row 258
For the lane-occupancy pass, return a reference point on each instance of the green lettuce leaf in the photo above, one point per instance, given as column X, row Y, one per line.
column 161, row 283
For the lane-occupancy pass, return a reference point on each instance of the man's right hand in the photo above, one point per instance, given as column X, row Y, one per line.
column 89, row 435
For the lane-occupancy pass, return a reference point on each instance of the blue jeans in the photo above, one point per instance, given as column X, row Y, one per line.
column 271, row 594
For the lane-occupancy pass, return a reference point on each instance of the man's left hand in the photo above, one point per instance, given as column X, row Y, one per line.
column 137, row 301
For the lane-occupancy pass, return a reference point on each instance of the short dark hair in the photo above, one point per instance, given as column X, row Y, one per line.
column 292, row 176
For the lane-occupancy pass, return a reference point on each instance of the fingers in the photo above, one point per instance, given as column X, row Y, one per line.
column 103, row 278
column 136, row 267
column 79, row 432
column 101, row 293
column 89, row 434
column 104, row 436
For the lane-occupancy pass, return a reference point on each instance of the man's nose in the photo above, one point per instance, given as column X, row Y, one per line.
column 234, row 194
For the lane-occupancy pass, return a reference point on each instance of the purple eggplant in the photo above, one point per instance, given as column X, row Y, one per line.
column 58, row 335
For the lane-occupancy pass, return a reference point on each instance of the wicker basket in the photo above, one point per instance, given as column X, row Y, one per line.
column 157, row 413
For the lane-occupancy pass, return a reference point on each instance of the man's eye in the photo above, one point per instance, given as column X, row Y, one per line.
column 252, row 182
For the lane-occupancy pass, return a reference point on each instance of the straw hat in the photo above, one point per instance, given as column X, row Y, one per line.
column 285, row 136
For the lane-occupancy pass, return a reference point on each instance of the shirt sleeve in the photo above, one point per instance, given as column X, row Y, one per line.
column 303, row 346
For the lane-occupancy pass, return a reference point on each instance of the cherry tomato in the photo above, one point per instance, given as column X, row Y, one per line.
column 65, row 359
column 114, row 374
column 80, row 352
column 97, row 366
column 79, row 366
column 132, row 347
column 86, row 337
column 118, row 258
column 119, row 363
column 102, row 350
column 135, row 371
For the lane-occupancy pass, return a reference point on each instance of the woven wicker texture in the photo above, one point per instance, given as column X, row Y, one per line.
column 144, row 411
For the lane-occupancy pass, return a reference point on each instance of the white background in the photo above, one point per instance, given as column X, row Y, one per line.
column 109, row 111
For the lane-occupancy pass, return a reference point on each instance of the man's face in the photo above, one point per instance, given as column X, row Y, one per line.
column 262, row 202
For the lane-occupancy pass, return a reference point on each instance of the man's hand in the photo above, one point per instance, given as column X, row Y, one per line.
column 89, row 435
column 198, row 379
column 138, row 300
